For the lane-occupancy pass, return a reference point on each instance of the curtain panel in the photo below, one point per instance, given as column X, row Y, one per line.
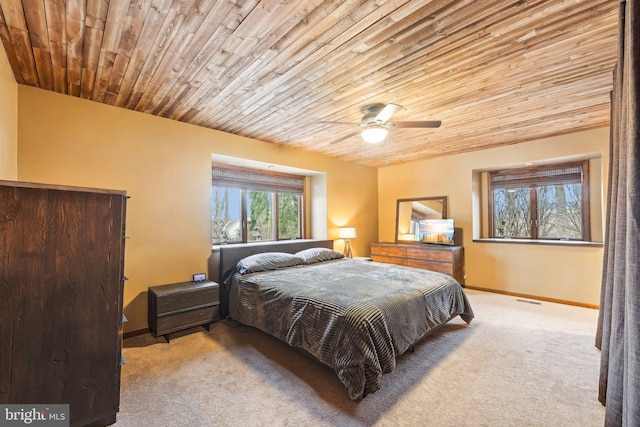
column 618, row 334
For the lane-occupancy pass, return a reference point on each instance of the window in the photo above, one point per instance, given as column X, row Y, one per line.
column 546, row 202
column 250, row 205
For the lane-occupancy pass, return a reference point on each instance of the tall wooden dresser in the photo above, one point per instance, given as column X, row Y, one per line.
column 61, row 286
column 440, row 258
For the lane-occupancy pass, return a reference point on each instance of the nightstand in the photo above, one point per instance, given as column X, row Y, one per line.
column 179, row 306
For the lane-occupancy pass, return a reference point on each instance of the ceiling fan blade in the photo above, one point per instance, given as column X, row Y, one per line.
column 343, row 138
column 417, row 124
column 339, row 123
column 387, row 112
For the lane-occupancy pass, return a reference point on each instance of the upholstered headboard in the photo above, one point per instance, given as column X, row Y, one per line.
column 225, row 257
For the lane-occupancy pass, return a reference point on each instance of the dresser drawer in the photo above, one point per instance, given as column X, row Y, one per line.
column 389, row 260
column 430, row 254
column 182, row 320
column 392, row 251
column 441, row 258
column 440, row 267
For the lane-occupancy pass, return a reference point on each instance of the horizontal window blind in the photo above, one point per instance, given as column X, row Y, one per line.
column 255, row 180
column 566, row 173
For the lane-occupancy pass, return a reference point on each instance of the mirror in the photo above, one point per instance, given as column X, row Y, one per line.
column 410, row 211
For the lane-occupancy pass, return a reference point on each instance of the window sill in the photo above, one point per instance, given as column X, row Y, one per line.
column 216, row 247
column 540, row 242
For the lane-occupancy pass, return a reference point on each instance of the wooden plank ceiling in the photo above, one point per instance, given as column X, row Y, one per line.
column 495, row 72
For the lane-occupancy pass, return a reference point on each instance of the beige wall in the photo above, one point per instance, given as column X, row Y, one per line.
column 8, row 120
column 551, row 271
column 165, row 166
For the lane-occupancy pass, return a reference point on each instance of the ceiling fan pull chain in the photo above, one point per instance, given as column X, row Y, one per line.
column 386, row 154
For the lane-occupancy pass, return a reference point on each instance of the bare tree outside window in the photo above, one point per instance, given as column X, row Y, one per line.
column 225, row 215
column 546, row 202
column 512, row 212
column 560, row 211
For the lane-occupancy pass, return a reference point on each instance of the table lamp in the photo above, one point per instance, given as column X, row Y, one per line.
column 347, row 233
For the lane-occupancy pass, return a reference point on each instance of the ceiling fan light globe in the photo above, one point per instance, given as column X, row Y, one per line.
column 374, row 134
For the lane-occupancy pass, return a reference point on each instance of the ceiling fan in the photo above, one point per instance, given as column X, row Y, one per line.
column 376, row 123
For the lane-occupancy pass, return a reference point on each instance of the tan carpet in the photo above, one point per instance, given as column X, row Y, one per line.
column 517, row 364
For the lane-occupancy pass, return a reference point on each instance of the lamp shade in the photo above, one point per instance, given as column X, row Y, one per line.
column 347, row 233
column 374, row 134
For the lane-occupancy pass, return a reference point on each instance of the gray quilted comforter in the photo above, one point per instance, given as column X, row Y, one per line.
column 352, row 315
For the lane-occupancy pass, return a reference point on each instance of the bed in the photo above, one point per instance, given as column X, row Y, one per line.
column 355, row 316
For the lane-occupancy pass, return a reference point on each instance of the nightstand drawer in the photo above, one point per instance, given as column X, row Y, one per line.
column 178, row 296
column 183, row 305
column 182, row 320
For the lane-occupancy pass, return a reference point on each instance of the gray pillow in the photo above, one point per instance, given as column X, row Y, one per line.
column 267, row 261
column 313, row 255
